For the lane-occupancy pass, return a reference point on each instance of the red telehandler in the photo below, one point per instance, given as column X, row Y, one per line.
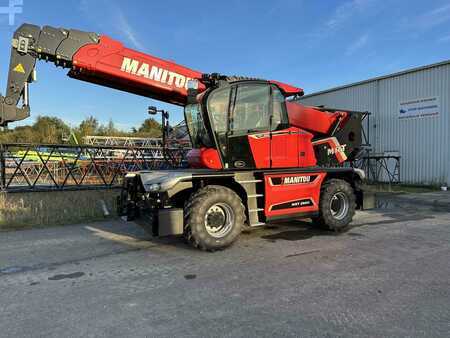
column 258, row 155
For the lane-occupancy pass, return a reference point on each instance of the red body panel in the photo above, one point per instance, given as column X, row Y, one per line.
column 284, row 150
column 292, row 193
column 287, row 90
column 289, row 148
column 204, row 158
column 308, row 118
column 307, row 156
column 110, row 64
column 260, row 147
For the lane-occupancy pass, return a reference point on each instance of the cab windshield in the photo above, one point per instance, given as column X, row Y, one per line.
column 196, row 126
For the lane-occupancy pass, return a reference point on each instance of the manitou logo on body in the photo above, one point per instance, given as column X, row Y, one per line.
column 296, row 179
column 338, row 149
column 154, row 73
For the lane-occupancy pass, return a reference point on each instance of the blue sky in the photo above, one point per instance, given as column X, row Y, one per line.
column 311, row 44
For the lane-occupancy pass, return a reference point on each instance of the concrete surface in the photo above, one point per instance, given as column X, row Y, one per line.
column 20, row 210
column 388, row 276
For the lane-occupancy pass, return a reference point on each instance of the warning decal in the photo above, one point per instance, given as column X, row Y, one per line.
column 19, row 68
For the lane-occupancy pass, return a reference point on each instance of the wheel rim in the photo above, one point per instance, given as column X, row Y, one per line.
column 339, row 205
column 219, row 220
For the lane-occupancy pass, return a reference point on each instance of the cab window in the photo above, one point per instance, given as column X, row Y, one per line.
column 279, row 116
column 218, row 109
column 251, row 109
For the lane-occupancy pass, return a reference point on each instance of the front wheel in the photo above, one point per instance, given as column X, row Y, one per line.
column 337, row 205
column 213, row 218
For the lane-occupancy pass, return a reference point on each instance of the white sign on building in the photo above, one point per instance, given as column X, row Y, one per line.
column 418, row 108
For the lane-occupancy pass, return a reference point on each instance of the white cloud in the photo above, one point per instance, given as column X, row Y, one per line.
column 340, row 17
column 345, row 12
column 117, row 17
column 437, row 16
column 357, row 44
column 428, row 20
column 125, row 27
column 445, row 38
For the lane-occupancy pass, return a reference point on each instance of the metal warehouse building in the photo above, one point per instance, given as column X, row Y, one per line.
column 409, row 116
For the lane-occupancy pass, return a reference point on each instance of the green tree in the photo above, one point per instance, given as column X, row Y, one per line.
column 21, row 134
column 88, row 126
column 24, row 134
column 48, row 130
column 149, row 128
column 110, row 130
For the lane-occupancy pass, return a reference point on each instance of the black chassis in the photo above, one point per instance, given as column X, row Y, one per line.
column 157, row 198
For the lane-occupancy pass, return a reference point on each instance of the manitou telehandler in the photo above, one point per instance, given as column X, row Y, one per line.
column 256, row 157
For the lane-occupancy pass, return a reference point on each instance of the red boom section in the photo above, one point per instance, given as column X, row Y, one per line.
column 311, row 119
column 110, row 64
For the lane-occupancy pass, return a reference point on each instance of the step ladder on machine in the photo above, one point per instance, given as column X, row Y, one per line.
column 254, row 187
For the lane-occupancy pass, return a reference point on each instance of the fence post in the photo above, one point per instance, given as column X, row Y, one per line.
column 2, row 167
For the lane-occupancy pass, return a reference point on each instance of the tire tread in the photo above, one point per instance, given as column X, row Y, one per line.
column 325, row 220
column 195, row 201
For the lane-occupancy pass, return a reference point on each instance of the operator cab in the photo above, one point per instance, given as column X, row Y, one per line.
column 245, row 125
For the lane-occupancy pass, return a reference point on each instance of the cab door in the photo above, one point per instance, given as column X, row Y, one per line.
column 218, row 112
column 244, row 143
column 284, row 140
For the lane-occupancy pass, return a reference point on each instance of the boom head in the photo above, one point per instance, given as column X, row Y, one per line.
column 89, row 57
column 29, row 43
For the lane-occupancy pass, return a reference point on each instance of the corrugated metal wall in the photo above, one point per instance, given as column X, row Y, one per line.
column 423, row 143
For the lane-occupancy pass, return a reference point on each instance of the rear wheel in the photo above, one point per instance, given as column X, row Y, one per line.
column 213, row 218
column 337, row 205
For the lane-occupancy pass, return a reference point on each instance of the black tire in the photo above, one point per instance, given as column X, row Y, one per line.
column 213, row 218
column 334, row 216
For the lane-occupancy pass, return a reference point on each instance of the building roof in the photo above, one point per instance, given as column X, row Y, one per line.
column 403, row 72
